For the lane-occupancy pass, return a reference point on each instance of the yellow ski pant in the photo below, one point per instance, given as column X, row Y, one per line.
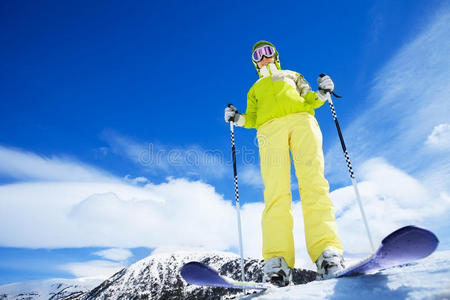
column 301, row 134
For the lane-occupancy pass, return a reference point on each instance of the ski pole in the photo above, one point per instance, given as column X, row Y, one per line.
column 236, row 194
column 349, row 166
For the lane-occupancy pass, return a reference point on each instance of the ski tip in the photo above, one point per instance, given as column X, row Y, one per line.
column 191, row 272
column 203, row 275
column 413, row 239
column 413, row 229
column 197, row 273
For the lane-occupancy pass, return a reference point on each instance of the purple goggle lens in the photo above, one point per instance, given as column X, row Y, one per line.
column 266, row 50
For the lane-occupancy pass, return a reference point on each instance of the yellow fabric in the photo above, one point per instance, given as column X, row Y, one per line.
column 299, row 133
column 278, row 93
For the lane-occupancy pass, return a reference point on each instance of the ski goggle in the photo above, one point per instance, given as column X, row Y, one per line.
column 259, row 53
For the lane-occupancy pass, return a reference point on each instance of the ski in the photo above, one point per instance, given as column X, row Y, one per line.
column 405, row 245
column 200, row 274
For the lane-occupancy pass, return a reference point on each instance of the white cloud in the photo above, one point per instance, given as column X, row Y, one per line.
column 191, row 160
column 107, row 211
column 93, row 268
column 439, row 137
column 178, row 212
column 137, row 180
column 116, row 254
column 251, row 175
column 391, row 199
column 24, row 165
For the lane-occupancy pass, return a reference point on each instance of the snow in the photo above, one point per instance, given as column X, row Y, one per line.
column 425, row 279
column 45, row 289
column 158, row 274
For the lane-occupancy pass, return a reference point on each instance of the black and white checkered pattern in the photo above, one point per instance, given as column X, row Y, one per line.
column 344, row 148
column 333, row 112
column 236, row 189
column 349, row 165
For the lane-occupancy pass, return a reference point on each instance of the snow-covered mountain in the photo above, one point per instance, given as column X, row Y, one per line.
column 51, row 289
column 157, row 277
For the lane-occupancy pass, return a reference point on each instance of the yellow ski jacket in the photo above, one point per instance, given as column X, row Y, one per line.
column 276, row 94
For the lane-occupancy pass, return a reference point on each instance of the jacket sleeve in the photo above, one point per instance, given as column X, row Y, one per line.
column 302, row 85
column 305, row 91
column 250, row 114
column 312, row 99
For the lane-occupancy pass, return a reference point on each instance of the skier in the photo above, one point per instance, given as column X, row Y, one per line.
column 280, row 105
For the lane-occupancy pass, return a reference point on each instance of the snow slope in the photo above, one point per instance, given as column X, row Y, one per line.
column 426, row 279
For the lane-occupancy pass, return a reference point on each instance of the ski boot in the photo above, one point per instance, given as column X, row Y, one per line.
column 277, row 272
column 329, row 263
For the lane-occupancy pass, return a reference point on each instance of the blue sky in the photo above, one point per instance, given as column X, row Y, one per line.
column 112, row 135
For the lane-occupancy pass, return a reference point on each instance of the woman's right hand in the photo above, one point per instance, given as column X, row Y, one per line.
column 230, row 113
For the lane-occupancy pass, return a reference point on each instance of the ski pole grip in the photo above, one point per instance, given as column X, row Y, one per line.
column 323, row 75
column 328, row 91
column 232, row 119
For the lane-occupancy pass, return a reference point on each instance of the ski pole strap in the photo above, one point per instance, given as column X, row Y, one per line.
column 336, row 95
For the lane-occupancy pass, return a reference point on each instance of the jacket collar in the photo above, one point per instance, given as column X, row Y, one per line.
column 268, row 70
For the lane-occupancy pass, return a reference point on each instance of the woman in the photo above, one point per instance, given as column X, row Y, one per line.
column 280, row 105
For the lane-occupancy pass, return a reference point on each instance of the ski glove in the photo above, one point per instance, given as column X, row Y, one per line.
column 326, row 85
column 231, row 114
